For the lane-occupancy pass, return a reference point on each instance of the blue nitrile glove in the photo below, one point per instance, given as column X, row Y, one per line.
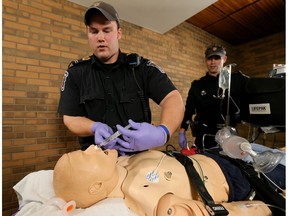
column 182, row 140
column 101, row 131
column 142, row 136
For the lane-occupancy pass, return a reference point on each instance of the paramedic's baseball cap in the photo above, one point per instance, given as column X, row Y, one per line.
column 217, row 50
column 106, row 9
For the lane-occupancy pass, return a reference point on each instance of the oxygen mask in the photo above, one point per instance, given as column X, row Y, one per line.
column 237, row 147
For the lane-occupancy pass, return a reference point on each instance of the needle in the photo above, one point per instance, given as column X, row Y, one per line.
column 113, row 136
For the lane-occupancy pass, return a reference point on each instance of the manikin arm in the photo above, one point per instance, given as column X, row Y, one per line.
column 172, row 205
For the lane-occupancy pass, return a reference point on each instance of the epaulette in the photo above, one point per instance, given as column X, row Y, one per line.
column 75, row 62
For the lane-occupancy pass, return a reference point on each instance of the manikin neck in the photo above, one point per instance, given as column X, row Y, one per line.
column 117, row 191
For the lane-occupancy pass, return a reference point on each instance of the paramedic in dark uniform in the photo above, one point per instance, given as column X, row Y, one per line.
column 110, row 89
column 204, row 102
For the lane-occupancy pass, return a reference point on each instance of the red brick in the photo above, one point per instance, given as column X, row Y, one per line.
column 40, row 39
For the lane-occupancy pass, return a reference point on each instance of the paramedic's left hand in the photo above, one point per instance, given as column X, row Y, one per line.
column 143, row 136
column 101, row 131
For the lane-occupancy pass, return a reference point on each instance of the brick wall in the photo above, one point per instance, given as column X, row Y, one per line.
column 257, row 57
column 40, row 38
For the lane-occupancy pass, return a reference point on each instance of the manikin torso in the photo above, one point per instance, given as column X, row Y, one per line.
column 146, row 177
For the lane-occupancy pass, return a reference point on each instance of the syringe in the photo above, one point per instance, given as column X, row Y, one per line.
column 113, row 136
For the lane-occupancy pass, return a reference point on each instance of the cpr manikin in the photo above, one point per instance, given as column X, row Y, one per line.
column 151, row 183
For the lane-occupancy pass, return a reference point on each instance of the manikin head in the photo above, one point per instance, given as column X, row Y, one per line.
column 85, row 176
column 215, row 56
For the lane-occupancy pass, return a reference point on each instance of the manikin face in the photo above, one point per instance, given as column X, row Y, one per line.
column 215, row 64
column 103, row 36
column 85, row 176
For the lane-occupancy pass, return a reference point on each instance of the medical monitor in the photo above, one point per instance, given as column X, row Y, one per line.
column 263, row 102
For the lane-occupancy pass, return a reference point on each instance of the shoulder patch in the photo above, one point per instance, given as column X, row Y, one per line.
column 75, row 62
column 151, row 64
column 66, row 74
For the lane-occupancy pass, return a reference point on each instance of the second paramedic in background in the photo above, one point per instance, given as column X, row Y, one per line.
column 204, row 103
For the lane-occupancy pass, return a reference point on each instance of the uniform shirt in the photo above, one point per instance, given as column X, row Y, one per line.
column 111, row 93
column 202, row 100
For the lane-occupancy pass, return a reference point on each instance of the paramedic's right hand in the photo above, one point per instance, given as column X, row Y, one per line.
column 101, row 131
column 182, row 140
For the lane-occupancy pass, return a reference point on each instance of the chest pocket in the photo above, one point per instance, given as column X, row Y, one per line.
column 92, row 95
column 94, row 105
column 205, row 95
